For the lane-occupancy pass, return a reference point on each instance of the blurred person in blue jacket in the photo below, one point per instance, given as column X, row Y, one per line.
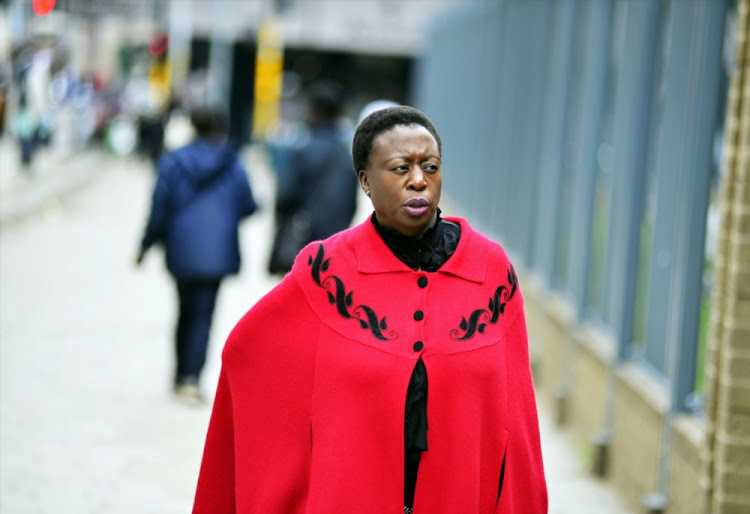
column 316, row 191
column 202, row 192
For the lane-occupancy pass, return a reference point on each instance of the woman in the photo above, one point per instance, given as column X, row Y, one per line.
column 201, row 194
column 389, row 370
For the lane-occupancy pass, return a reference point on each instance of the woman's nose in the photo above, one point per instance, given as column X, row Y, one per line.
column 416, row 178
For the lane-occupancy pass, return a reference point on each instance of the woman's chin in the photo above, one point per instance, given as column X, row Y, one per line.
column 416, row 227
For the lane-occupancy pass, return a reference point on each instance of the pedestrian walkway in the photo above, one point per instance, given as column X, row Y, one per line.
column 87, row 423
column 54, row 172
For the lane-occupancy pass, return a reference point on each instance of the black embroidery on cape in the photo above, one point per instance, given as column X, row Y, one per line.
column 479, row 318
column 338, row 296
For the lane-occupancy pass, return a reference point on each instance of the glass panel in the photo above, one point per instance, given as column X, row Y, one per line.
column 571, row 140
column 595, row 296
column 645, row 250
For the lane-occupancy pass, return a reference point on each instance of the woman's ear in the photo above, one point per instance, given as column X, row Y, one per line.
column 363, row 182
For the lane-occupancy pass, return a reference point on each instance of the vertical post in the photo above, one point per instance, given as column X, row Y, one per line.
column 268, row 73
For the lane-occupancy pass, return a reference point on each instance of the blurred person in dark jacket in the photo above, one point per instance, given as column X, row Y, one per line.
column 202, row 193
column 316, row 191
column 25, row 126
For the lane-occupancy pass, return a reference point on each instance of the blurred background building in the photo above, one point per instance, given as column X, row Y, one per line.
column 209, row 51
column 605, row 143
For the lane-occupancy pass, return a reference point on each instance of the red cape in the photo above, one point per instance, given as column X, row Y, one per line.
column 309, row 411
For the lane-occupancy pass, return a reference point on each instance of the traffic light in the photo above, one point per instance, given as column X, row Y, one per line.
column 42, row 7
column 158, row 44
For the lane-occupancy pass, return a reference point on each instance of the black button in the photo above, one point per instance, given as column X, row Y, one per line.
column 422, row 281
column 418, row 346
column 419, row 315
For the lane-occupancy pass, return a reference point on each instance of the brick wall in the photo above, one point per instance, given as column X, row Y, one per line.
column 685, row 466
column 549, row 320
column 593, row 358
column 640, row 404
column 726, row 452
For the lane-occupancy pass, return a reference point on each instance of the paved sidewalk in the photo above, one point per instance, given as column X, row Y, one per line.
column 53, row 173
column 87, row 423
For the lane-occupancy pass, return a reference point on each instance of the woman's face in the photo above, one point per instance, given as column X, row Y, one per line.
column 404, row 179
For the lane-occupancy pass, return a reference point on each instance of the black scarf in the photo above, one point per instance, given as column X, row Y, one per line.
column 428, row 252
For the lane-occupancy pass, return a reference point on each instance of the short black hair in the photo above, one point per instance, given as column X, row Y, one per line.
column 382, row 121
column 326, row 99
column 208, row 121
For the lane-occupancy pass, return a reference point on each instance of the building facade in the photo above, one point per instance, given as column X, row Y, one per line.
column 605, row 144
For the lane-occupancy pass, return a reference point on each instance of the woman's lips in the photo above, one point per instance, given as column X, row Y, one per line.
column 417, row 206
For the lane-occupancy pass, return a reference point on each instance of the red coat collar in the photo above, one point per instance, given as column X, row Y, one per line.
column 374, row 256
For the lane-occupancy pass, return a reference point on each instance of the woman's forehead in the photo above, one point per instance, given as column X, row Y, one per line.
column 403, row 135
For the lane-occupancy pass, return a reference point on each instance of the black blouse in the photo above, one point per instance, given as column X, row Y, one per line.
column 427, row 253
